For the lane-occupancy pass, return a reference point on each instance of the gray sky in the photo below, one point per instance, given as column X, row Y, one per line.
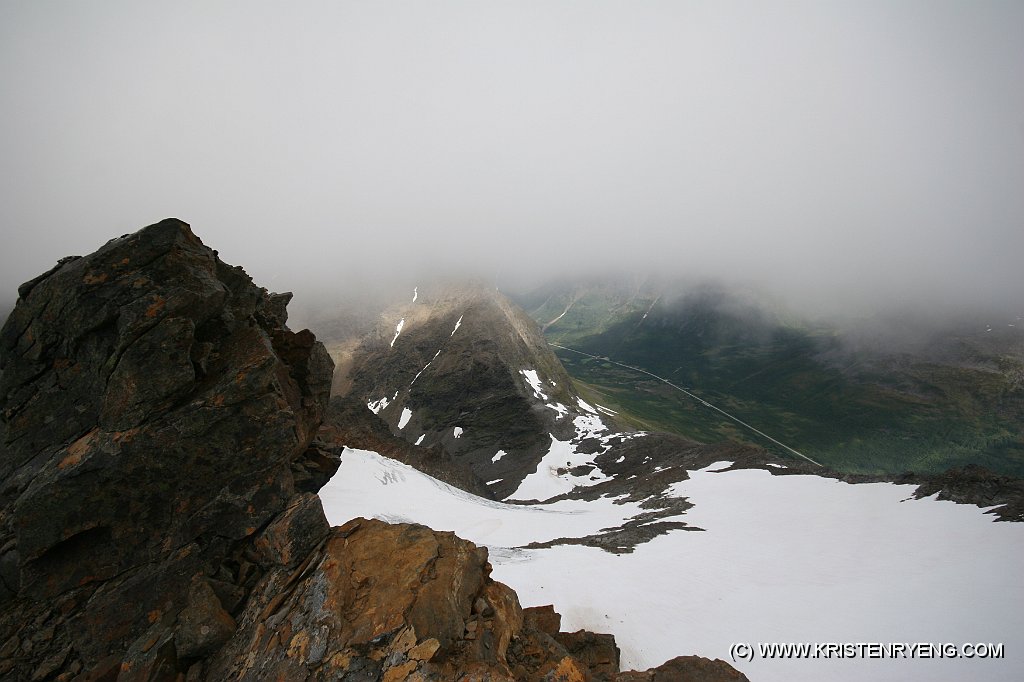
column 844, row 152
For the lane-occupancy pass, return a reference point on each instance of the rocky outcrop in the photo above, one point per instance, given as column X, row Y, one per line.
column 154, row 407
column 386, row 602
column 977, row 485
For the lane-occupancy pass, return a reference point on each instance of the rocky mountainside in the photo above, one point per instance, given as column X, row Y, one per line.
column 158, row 515
column 466, row 371
column 461, row 384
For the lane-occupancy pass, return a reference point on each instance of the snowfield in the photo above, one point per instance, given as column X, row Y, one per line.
column 781, row 559
column 371, row 485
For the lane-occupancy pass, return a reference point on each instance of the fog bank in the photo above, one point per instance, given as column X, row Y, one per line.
column 842, row 155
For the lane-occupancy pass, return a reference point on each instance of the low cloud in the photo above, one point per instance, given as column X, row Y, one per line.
column 849, row 158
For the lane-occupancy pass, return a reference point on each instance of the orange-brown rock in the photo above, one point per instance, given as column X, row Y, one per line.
column 596, row 651
column 544, row 618
column 387, row 601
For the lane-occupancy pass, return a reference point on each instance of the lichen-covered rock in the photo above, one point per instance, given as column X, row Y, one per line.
column 388, row 598
column 153, row 407
column 392, row 602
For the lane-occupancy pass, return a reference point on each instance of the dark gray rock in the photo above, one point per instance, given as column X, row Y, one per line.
column 203, row 625
column 153, row 406
column 977, row 485
column 295, row 532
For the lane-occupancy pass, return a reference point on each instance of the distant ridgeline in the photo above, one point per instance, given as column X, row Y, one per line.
column 957, row 400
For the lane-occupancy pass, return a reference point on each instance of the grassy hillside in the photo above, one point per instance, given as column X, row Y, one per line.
column 958, row 400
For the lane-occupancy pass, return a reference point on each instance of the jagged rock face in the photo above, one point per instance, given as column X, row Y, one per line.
column 457, row 367
column 391, row 602
column 153, row 406
column 378, row 601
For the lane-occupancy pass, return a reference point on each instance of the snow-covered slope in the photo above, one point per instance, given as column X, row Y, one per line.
column 368, row 484
column 781, row 559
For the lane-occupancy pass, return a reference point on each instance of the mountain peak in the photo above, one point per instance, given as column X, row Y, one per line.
column 465, row 369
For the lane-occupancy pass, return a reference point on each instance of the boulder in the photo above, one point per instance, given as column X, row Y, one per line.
column 544, row 618
column 597, row 651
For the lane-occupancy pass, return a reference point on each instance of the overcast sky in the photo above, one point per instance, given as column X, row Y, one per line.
column 867, row 151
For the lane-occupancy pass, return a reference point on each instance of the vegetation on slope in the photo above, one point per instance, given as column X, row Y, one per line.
column 957, row 400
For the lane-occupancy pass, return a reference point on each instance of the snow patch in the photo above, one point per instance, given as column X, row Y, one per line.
column 398, row 330
column 498, row 455
column 588, row 426
column 457, row 325
column 554, row 476
column 457, row 431
column 404, row 419
column 424, row 368
column 497, row 480
column 534, row 381
column 420, row 439
column 376, row 406
column 782, row 559
column 586, row 406
column 605, row 410
column 415, row 294
column 561, row 409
